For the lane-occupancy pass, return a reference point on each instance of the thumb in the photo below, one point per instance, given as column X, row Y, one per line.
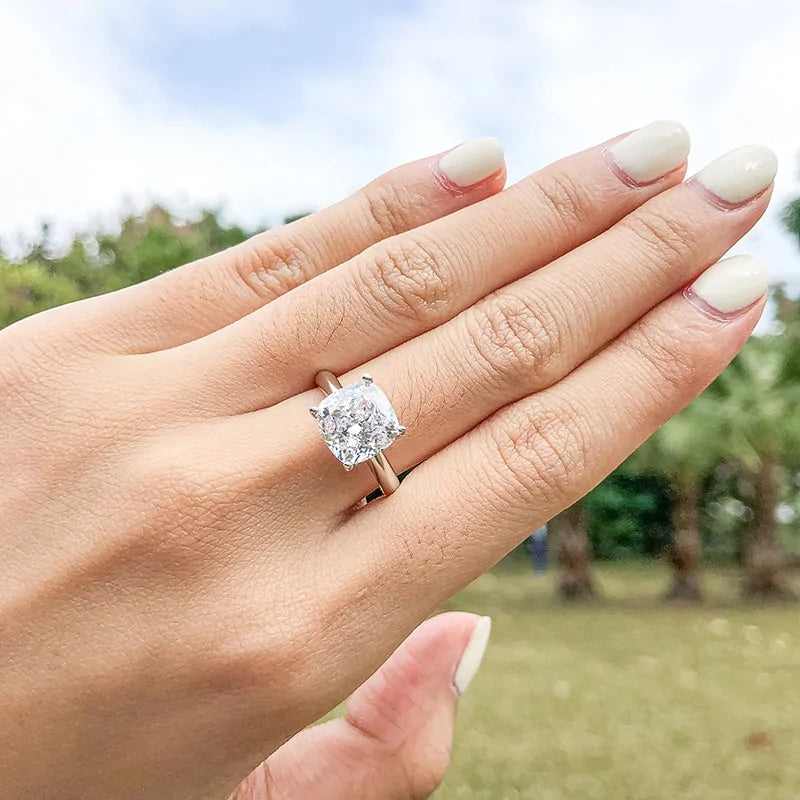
column 394, row 742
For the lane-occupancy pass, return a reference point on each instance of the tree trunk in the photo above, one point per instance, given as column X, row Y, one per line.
column 763, row 560
column 571, row 539
column 685, row 553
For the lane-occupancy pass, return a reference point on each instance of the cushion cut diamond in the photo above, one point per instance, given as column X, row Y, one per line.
column 357, row 422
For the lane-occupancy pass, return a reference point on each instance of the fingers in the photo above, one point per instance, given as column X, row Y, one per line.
column 201, row 297
column 532, row 333
column 394, row 741
column 539, row 455
column 408, row 284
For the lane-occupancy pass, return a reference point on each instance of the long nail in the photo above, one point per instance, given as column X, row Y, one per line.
column 473, row 655
column 472, row 162
column 651, row 152
column 739, row 175
column 733, row 284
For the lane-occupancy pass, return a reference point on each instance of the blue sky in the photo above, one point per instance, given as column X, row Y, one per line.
column 255, row 69
column 275, row 106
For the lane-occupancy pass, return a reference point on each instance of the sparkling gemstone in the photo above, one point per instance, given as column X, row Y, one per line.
column 357, row 422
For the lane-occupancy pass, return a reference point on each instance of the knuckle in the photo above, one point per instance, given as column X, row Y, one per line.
column 561, row 195
column 245, row 653
column 276, row 650
column 57, row 333
column 677, row 366
column 171, row 494
column 176, row 488
column 389, row 207
column 269, row 265
column 542, row 450
column 408, row 279
column 41, row 331
column 518, row 340
column 29, row 371
column 670, row 238
column 15, row 363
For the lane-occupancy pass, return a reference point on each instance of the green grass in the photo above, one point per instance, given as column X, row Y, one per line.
column 628, row 698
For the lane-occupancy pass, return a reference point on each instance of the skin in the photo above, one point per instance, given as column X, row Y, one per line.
column 188, row 581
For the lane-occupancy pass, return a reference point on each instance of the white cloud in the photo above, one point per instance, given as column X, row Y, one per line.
column 85, row 128
column 74, row 145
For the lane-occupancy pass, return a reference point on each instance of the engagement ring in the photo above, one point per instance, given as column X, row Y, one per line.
column 358, row 423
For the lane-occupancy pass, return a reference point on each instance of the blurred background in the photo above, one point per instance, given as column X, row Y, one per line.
column 646, row 646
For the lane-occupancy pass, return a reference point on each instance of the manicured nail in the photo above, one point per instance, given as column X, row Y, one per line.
column 652, row 151
column 732, row 284
column 471, row 162
column 739, row 175
column 473, row 655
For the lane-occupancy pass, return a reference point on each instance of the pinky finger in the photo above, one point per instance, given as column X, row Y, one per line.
column 538, row 456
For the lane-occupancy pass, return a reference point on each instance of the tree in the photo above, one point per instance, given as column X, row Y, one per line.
column 29, row 287
column 759, row 398
column 142, row 247
column 147, row 245
column 628, row 516
column 684, row 451
column 791, row 218
column 570, row 538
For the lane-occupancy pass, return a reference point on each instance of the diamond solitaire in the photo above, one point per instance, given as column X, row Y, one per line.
column 357, row 422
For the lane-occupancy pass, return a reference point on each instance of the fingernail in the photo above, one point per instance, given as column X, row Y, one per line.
column 652, row 151
column 739, row 175
column 473, row 655
column 732, row 284
column 471, row 162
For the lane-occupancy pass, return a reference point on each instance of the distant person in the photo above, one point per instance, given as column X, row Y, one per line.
column 537, row 549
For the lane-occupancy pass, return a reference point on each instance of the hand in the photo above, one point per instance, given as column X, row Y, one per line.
column 187, row 581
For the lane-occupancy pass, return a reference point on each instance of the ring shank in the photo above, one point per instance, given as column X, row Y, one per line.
column 381, row 468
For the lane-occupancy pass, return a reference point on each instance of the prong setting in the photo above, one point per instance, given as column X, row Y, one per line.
column 357, row 422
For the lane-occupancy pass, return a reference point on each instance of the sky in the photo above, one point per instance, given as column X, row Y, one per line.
column 270, row 108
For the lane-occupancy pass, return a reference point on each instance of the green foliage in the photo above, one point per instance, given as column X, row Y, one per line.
column 687, row 447
column 757, row 398
column 148, row 246
column 628, row 515
column 749, row 413
column 791, row 218
column 29, row 287
column 143, row 247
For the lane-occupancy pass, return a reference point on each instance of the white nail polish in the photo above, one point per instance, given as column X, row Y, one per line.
column 732, row 284
column 473, row 655
column 652, row 151
column 741, row 174
column 472, row 161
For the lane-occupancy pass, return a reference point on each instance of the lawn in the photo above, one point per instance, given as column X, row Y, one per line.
column 627, row 698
